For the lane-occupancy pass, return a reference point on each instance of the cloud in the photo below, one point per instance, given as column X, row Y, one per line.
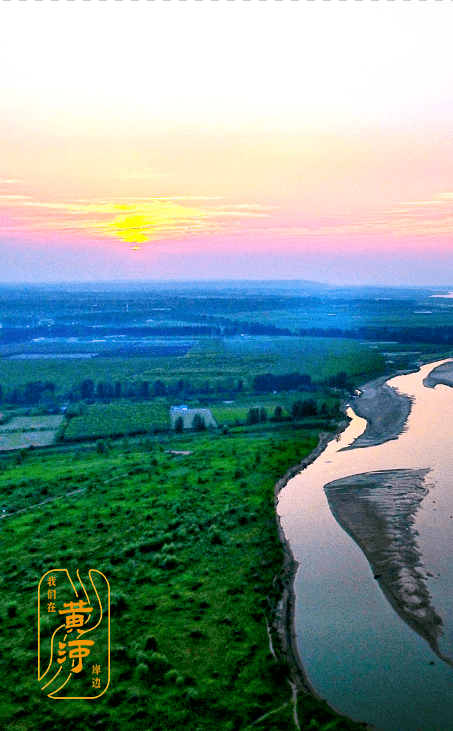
column 147, row 176
column 13, row 197
column 131, row 220
column 140, row 220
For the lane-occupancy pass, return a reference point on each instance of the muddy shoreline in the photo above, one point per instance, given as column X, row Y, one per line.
column 282, row 625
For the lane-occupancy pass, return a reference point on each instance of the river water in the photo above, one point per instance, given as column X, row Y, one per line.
column 357, row 651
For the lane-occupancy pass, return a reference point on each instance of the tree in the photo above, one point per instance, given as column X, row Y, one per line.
column 198, row 423
column 263, row 414
column 144, row 389
column 15, row 396
column 159, row 388
column 278, row 413
column 33, row 392
column 340, row 380
column 304, row 408
column 87, row 389
column 179, row 425
column 118, row 389
column 48, row 400
column 253, row 416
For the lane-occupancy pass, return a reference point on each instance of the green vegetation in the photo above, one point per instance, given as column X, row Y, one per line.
column 216, row 364
column 190, row 547
column 116, row 419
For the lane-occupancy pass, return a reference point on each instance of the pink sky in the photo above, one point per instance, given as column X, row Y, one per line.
column 227, row 140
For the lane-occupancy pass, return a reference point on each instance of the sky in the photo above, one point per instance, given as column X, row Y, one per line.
column 226, row 139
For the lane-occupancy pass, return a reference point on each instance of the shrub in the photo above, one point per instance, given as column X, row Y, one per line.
column 192, row 694
column 158, row 664
column 142, row 671
column 119, row 601
column 171, row 676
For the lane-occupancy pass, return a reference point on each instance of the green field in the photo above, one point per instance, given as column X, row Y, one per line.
column 190, row 548
column 214, row 359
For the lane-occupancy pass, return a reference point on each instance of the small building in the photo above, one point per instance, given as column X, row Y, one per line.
column 188, row 415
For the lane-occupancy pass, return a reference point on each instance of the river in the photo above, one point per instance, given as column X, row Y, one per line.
column 373, row 608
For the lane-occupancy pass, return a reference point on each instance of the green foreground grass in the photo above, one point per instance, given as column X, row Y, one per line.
column 190, row 547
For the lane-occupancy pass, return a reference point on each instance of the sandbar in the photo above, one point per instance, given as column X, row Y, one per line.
column 385, row 410
column 443, row 374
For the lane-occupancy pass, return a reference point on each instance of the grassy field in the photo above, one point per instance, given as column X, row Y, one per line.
column 190, row 548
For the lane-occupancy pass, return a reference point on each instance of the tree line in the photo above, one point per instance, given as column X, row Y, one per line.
column 299, row 410
column 44, row 392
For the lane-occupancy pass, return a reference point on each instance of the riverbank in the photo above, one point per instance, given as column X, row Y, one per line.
column 284, row 634
column 281, row 627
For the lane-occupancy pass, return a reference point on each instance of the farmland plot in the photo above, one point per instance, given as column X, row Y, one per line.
column 117, row 419
column 25, row 431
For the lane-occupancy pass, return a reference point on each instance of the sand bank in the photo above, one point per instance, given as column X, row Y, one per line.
column 442, row 374
column 385, row 410
column 377, row 509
